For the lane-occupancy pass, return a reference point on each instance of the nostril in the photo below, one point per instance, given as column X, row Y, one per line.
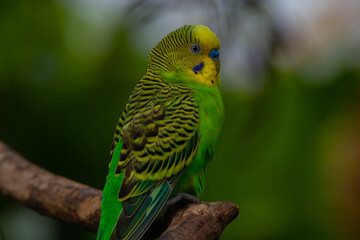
column 214, row 54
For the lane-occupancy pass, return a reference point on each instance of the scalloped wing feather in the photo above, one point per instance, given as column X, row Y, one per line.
column 159, row 142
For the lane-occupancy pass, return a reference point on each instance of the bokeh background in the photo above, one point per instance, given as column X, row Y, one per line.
column 289, row 156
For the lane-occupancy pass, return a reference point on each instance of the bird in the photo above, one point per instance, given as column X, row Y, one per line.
column 166, row 135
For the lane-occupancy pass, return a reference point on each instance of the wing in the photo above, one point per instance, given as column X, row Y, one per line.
column 157, row 144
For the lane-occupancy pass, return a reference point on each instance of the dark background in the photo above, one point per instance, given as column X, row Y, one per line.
column 289, row 155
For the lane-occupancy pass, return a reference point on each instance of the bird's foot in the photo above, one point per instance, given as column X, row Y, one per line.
column 183, row 197
column 179, row 200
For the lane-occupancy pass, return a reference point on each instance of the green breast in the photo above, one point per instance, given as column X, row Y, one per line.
column 212, row 115
column 211, row 109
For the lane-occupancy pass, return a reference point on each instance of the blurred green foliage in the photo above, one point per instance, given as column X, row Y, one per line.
column 59, row 108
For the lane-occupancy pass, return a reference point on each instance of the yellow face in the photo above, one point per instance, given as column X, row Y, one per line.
column 204, row 56
column 192, row 49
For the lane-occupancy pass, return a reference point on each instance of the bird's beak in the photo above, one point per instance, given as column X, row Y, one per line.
column 217, row 66
column 214, row 55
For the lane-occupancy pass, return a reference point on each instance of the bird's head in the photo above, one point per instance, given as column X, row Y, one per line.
column 192, row 49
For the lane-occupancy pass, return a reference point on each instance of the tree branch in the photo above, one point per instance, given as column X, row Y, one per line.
column 47, row 193
column 61, row 198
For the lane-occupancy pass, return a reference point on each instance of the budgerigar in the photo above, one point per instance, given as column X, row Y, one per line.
column 167, row 133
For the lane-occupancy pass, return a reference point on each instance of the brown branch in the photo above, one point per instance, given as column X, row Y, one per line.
column 47, row 193
column 67, row 200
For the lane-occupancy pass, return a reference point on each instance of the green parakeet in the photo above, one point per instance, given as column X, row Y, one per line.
column 167, row 133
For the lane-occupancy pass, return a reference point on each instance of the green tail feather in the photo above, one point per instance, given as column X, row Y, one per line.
column 133, row 224
column 129, row 219
column 137, row 214
column 111, row 207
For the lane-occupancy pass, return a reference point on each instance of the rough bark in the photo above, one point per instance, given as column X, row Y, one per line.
column 61, row 198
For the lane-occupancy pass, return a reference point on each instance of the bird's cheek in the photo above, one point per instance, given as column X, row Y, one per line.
column 211, row 72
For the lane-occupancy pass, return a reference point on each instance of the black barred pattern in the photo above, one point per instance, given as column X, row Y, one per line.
column 159, row 125
column 159, row 133
column 166, row 53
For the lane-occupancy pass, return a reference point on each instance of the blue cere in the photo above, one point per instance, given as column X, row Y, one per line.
column 198, row 68
column 214, row 54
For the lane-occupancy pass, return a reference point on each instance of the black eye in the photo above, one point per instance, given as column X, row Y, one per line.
column 195, row 48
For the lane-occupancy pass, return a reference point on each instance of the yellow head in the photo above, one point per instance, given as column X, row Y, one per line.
column 192, row 49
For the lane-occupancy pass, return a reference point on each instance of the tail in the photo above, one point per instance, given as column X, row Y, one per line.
column 129, row 220
column 139, row 212
column 111, row 207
